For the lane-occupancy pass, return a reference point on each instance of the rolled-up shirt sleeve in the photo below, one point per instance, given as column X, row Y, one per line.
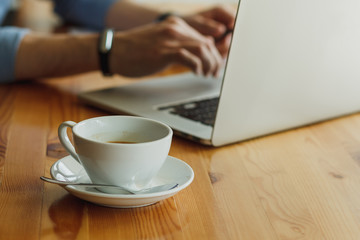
column 87, row 13
column 10, row 38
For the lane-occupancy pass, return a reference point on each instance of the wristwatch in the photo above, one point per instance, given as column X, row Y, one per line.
column 105, row 45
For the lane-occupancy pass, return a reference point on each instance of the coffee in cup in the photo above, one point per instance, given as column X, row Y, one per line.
column 125, row 151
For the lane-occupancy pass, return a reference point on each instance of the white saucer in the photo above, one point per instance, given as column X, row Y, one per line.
column 173, row 170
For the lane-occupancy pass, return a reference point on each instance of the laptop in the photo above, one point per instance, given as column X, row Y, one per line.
column 291, row 63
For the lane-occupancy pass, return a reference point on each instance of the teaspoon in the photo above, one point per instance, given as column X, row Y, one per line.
column 159, row 188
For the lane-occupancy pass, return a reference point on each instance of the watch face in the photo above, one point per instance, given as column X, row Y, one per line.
column 106, row 40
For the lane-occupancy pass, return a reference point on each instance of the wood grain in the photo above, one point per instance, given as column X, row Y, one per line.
column 24, row 161
column 6, row 99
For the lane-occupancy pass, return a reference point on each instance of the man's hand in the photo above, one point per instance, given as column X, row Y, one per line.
column 152, row 48
column 217, row 22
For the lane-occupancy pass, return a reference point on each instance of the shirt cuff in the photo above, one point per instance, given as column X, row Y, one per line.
column 87, row 13
column 10, row 38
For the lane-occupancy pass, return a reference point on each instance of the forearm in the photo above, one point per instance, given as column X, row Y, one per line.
column 41, row 56
column 135, row 53
column 127, row 14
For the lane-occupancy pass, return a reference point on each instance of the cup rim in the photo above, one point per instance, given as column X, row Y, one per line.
column 168, row 135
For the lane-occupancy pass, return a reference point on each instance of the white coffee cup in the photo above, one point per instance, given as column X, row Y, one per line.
column 132, row 164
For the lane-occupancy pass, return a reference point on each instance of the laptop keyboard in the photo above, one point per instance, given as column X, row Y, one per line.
column 203, row 111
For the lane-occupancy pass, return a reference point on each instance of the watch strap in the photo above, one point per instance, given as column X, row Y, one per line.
column 105, row 45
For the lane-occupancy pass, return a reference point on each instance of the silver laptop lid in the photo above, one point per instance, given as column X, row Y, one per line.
column 291, row 63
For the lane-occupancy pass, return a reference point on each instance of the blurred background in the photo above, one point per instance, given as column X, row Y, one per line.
column 38, row 15
column 190, row 1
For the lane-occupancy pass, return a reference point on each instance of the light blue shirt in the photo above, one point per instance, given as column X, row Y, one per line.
column 87, row 13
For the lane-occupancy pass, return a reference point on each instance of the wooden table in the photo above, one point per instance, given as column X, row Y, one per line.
column 298, row 184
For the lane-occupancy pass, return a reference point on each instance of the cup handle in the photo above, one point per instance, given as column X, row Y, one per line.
column 64, row 139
